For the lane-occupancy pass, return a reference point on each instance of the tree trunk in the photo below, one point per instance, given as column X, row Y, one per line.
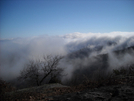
column 45, row 77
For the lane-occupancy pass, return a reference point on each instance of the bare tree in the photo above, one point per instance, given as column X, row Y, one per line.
column 38, row 71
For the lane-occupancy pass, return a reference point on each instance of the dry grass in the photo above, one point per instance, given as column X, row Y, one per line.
column 119, row 76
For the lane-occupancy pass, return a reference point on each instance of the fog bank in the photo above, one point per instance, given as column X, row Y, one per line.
column 14, row 53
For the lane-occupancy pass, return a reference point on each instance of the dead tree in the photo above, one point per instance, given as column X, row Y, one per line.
column 38, row 71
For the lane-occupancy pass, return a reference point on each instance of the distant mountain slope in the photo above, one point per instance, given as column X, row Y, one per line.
column 86, row 52
column 87, row 65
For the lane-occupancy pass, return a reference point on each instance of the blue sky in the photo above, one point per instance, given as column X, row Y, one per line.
column 26, row 18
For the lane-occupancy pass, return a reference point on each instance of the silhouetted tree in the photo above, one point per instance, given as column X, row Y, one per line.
column 38, row 71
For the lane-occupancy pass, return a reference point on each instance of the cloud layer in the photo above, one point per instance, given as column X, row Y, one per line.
column 14, row 53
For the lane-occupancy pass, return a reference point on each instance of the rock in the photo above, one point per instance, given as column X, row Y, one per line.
column 109, row 93
column 55, row 92
column 78, row 93
column 68, row 99
column 86, row 96
column 115, row 92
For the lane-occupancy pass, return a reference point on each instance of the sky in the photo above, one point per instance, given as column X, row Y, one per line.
column 27, row 18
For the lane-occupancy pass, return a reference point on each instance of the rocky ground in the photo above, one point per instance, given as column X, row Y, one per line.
column 109, row 93
column 57, row 92
column 118, row 87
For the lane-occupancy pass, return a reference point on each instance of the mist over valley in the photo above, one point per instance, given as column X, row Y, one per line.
column 84, row 54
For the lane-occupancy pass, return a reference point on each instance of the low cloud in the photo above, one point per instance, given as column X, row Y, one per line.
column 14, row 53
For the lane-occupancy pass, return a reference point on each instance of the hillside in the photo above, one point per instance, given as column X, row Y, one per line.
column 87, row 84
column 119, row 86
column 85, row 52
column 102, row 64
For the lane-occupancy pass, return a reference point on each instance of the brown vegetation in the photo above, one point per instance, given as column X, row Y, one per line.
column 119, row 76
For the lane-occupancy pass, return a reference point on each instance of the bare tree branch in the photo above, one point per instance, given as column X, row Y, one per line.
column 39, row 70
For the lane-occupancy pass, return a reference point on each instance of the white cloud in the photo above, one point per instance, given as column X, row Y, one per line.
column 78, row 35
column 16, row 51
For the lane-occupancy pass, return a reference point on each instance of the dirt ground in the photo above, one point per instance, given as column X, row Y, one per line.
column 58, row 92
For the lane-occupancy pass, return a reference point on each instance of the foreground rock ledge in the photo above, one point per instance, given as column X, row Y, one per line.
column 109, row 93
column 58, row 92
